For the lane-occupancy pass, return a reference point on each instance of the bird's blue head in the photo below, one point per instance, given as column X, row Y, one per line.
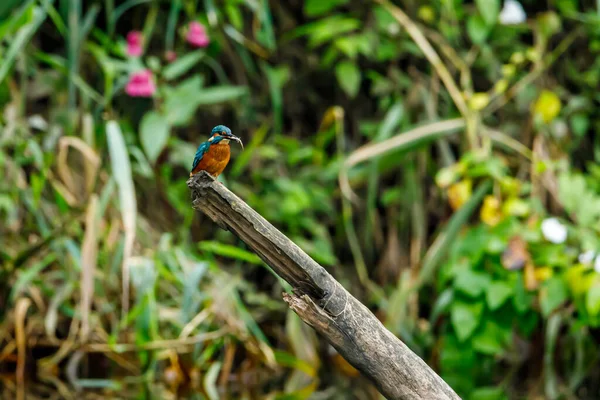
column 221, row 132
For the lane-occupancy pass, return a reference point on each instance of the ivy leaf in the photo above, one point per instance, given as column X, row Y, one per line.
column 154, row 134
column 580, row 124
column 488, row 393
column 552, row 295
column 489, row 10
column 314, row 8
column 465, row 318
column 220, row 94
column 471, row 283
column 522, row 298
column 592, row 301
column 348, row 76
column 182, row 65
column 477, row 29
column 179, row 103
column 491, row 339
column 497, row 294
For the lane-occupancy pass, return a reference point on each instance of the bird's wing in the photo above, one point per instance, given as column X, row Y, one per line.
column 202, row 149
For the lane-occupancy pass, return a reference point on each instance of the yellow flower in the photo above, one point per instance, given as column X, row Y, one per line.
column 479, row 101
column 542, row 273
column 501, row 86
column 459, row 193
column 547, row 106
column 426, row 14
column 490, row 211
column 515, row 206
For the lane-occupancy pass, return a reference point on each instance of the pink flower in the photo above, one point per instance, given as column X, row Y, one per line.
column 134, row 43
column 140, row 84
column 196, row 35
column 170, row 56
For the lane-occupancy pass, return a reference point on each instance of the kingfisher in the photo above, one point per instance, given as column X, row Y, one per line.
column 213, row 155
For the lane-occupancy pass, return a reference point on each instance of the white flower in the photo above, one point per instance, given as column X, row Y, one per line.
column 512, row 13
column 554, row 231
column 597, row 264
column 587, row 257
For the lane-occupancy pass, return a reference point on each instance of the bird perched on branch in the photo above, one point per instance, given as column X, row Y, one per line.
column 213, row 155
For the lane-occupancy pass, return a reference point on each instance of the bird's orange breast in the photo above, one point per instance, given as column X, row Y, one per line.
column 214, row 160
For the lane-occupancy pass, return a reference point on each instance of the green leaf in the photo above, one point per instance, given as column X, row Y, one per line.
column 552, row 295
column 7, row 7
column 471, row 283
column 192, row 295
column 580, row 124
column 179, row 101
column 314, row 8
column 20, row 41
column 229, row 251
column 353, row 45
column 256, row 141
column 458, row 362
column 219, row 94
column 326, row 29
column 182, row 65
column 154, row 133
column 491, row 339
column 182, row 101
column 442, row 304
column 592, row 300
column 497, row 294
column 579, row 199
column 277, row 78
column 29, row 274
column 348, row 76
column 465, row 318
column 477, row 29
column 489, row 10
column 488, row 393
column 522, row 299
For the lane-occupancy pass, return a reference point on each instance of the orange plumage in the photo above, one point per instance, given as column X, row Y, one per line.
column 214, row 160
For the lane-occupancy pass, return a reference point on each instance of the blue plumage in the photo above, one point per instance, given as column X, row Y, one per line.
column 220, row 129
column 203, row 148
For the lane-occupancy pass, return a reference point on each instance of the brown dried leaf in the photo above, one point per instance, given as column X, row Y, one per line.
column 515, row 256
column 89, row 255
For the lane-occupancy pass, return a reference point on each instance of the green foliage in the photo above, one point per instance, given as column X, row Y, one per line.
column 348, row 76
column 475, row 135
column 154, row 134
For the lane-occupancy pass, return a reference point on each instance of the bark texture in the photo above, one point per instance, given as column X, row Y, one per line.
column 322, row 302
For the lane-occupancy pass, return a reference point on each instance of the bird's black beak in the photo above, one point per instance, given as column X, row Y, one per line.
column 237, row 139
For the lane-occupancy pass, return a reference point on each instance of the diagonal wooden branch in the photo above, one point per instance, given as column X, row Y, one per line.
column 322, row 302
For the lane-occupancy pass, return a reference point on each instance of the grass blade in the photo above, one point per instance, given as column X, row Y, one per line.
column 20, row 41
column 73, row 22
column 210, row 381
column 121, row 168
column 391, row 121
column 413, row 137
column 172, row 23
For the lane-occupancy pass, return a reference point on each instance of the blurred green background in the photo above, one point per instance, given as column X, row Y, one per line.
column 438, row 158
